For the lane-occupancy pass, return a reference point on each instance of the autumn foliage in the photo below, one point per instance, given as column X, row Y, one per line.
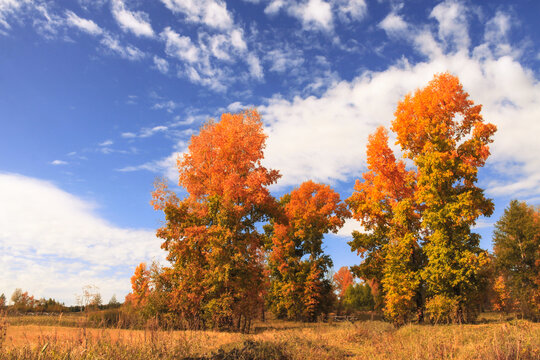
column 140, row 286
column 298, row 289
column 419, row 245
column 343, row 278
column 215, row 249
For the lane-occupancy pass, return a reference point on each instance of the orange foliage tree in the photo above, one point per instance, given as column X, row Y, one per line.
column 297, row 263
column 211, row 235
column 140, row 286
column 419, row 243
column 384, row 203
column 343, row 278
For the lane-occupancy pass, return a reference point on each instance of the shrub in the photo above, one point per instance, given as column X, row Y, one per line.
column 442, row 309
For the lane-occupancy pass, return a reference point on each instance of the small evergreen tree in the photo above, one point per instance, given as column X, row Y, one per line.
column 516, row 244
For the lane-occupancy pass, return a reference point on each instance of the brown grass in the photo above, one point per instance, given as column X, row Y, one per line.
column 516, row 339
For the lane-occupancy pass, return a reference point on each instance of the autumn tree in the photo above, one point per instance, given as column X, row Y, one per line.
column 419, row 242
column 2, row 301
column 140, row 287
column 516, row 245
column 441, row 130
column 22, row 301
column 343, row 278
column 384, row 203
column 211, row 236
column 299, row 289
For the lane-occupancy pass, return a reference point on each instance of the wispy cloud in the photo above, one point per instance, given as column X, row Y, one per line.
column 59, row 162
column 212, row 13
column 179, row 46
column 169, row 106
column 128, row 52
column 319, row 14
column 106, row 143
column 165, row 166
column 85, row 25
column 145, row 132
column 136, row 22
column 161, row 64
column 11, row 9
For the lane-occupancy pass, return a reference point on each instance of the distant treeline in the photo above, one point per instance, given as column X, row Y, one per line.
column 24, row 303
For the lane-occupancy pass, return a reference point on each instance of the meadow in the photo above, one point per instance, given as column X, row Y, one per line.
column 67, row 337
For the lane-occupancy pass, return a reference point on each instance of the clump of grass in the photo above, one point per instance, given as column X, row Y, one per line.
column 251, row 350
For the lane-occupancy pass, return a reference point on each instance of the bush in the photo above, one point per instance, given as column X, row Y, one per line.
column 441, row 309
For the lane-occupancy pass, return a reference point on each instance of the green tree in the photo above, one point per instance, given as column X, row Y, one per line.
column 358, row 297
column 113, row 302
column 516, row 244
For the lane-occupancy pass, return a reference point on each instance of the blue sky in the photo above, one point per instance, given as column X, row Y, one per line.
column 97, row 98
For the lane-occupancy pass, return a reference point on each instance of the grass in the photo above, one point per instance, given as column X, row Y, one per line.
column 493, row 339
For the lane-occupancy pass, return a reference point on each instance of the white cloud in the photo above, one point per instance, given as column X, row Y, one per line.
column 161, row 64
column 274, row 7
column 169, row 106
column 10, row 8
column 284, row 59
column 85, row 25
column 314, row 14
column 166, row 166
column 178, row 46
column 52, row 243
column 46, row 23
column 135, row 21
column 453, row 24
column 237, row 40
column 106, row 143
column 349, row 10
column 208, row 62
column 319, row 14
column 128, row 135
column 88, row 4
column 128, row 52
column 145, row 132
column 350, row 226
column 496, row 33
column 59, row 162
column 212, row 13
column 394, row 25
column 218, row 47
column 235, row 107
column 255, row 68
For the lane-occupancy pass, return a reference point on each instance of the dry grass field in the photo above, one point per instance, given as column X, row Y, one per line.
column 516, row 339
